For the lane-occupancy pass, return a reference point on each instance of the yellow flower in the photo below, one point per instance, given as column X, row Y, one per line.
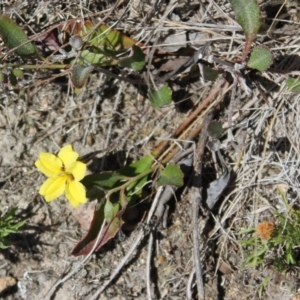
column 64, row 172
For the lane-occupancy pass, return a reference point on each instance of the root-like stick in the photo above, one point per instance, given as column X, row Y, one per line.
column 187, row 124
column 189, row 285
column 148, row 269
column 159, row 149
column 196, row 198
column 191, row 132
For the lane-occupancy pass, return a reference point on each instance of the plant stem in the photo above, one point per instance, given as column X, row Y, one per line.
column 46, row 66
column 130, row 181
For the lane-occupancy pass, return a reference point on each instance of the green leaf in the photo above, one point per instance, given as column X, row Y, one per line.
column 103, row 44
column 8, row 225
column 79, row 75
column 108, row 210
column 78, row 91
column 293, row 84
column 98, row 184
column 215, row 129
column 161, row 97
column 87, row 243
column 135, row 61
column 13, row 36
column 171, row 175
column 257, row 257
column 13, row 79
column 141, row 166
column 105, row 180
column 96, row 58
column 261, row 58
column 106, row 37
column 248, row 15
column 210, row 74
column 254, row 262
column 123, row 199
column 112, row 210
column 95, row 192
column 290, row 258
column 18, row 73
column 138, row 167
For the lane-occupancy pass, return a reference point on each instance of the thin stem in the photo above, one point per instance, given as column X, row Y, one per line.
column 45, row 66
column 130, row 181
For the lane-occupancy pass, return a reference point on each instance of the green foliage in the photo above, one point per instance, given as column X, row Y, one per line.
column 284, row 240
column 114, row 190
column 135, row 61
column 97, row 58
column 136, row 170
column 104, row 212
column 161, row 97
column 14, row 37
column 12, row 79
column 293, row 84
column 131, row 177
column 105, row 38
column 171, row 175
column 103, row 45
column 8, row 225
column 261, row 58
column 287, row 236
column 105, row 181
column 110, row 210
column 248, row 15
column 262, row 286
column 215, row 129
column 210, row 74
column 18, row 73
column 79, row 75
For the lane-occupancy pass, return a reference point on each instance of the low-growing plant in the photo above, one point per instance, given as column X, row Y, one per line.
column 276, row 241
column 9, row 225
column 113, row 190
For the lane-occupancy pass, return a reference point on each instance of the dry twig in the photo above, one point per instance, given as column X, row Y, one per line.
column 196, row 199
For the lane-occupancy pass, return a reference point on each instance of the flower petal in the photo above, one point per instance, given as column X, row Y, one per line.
column 67, row 155
column 75, row 193
column 52, row 188
column 77, row 169
column 49, row 164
